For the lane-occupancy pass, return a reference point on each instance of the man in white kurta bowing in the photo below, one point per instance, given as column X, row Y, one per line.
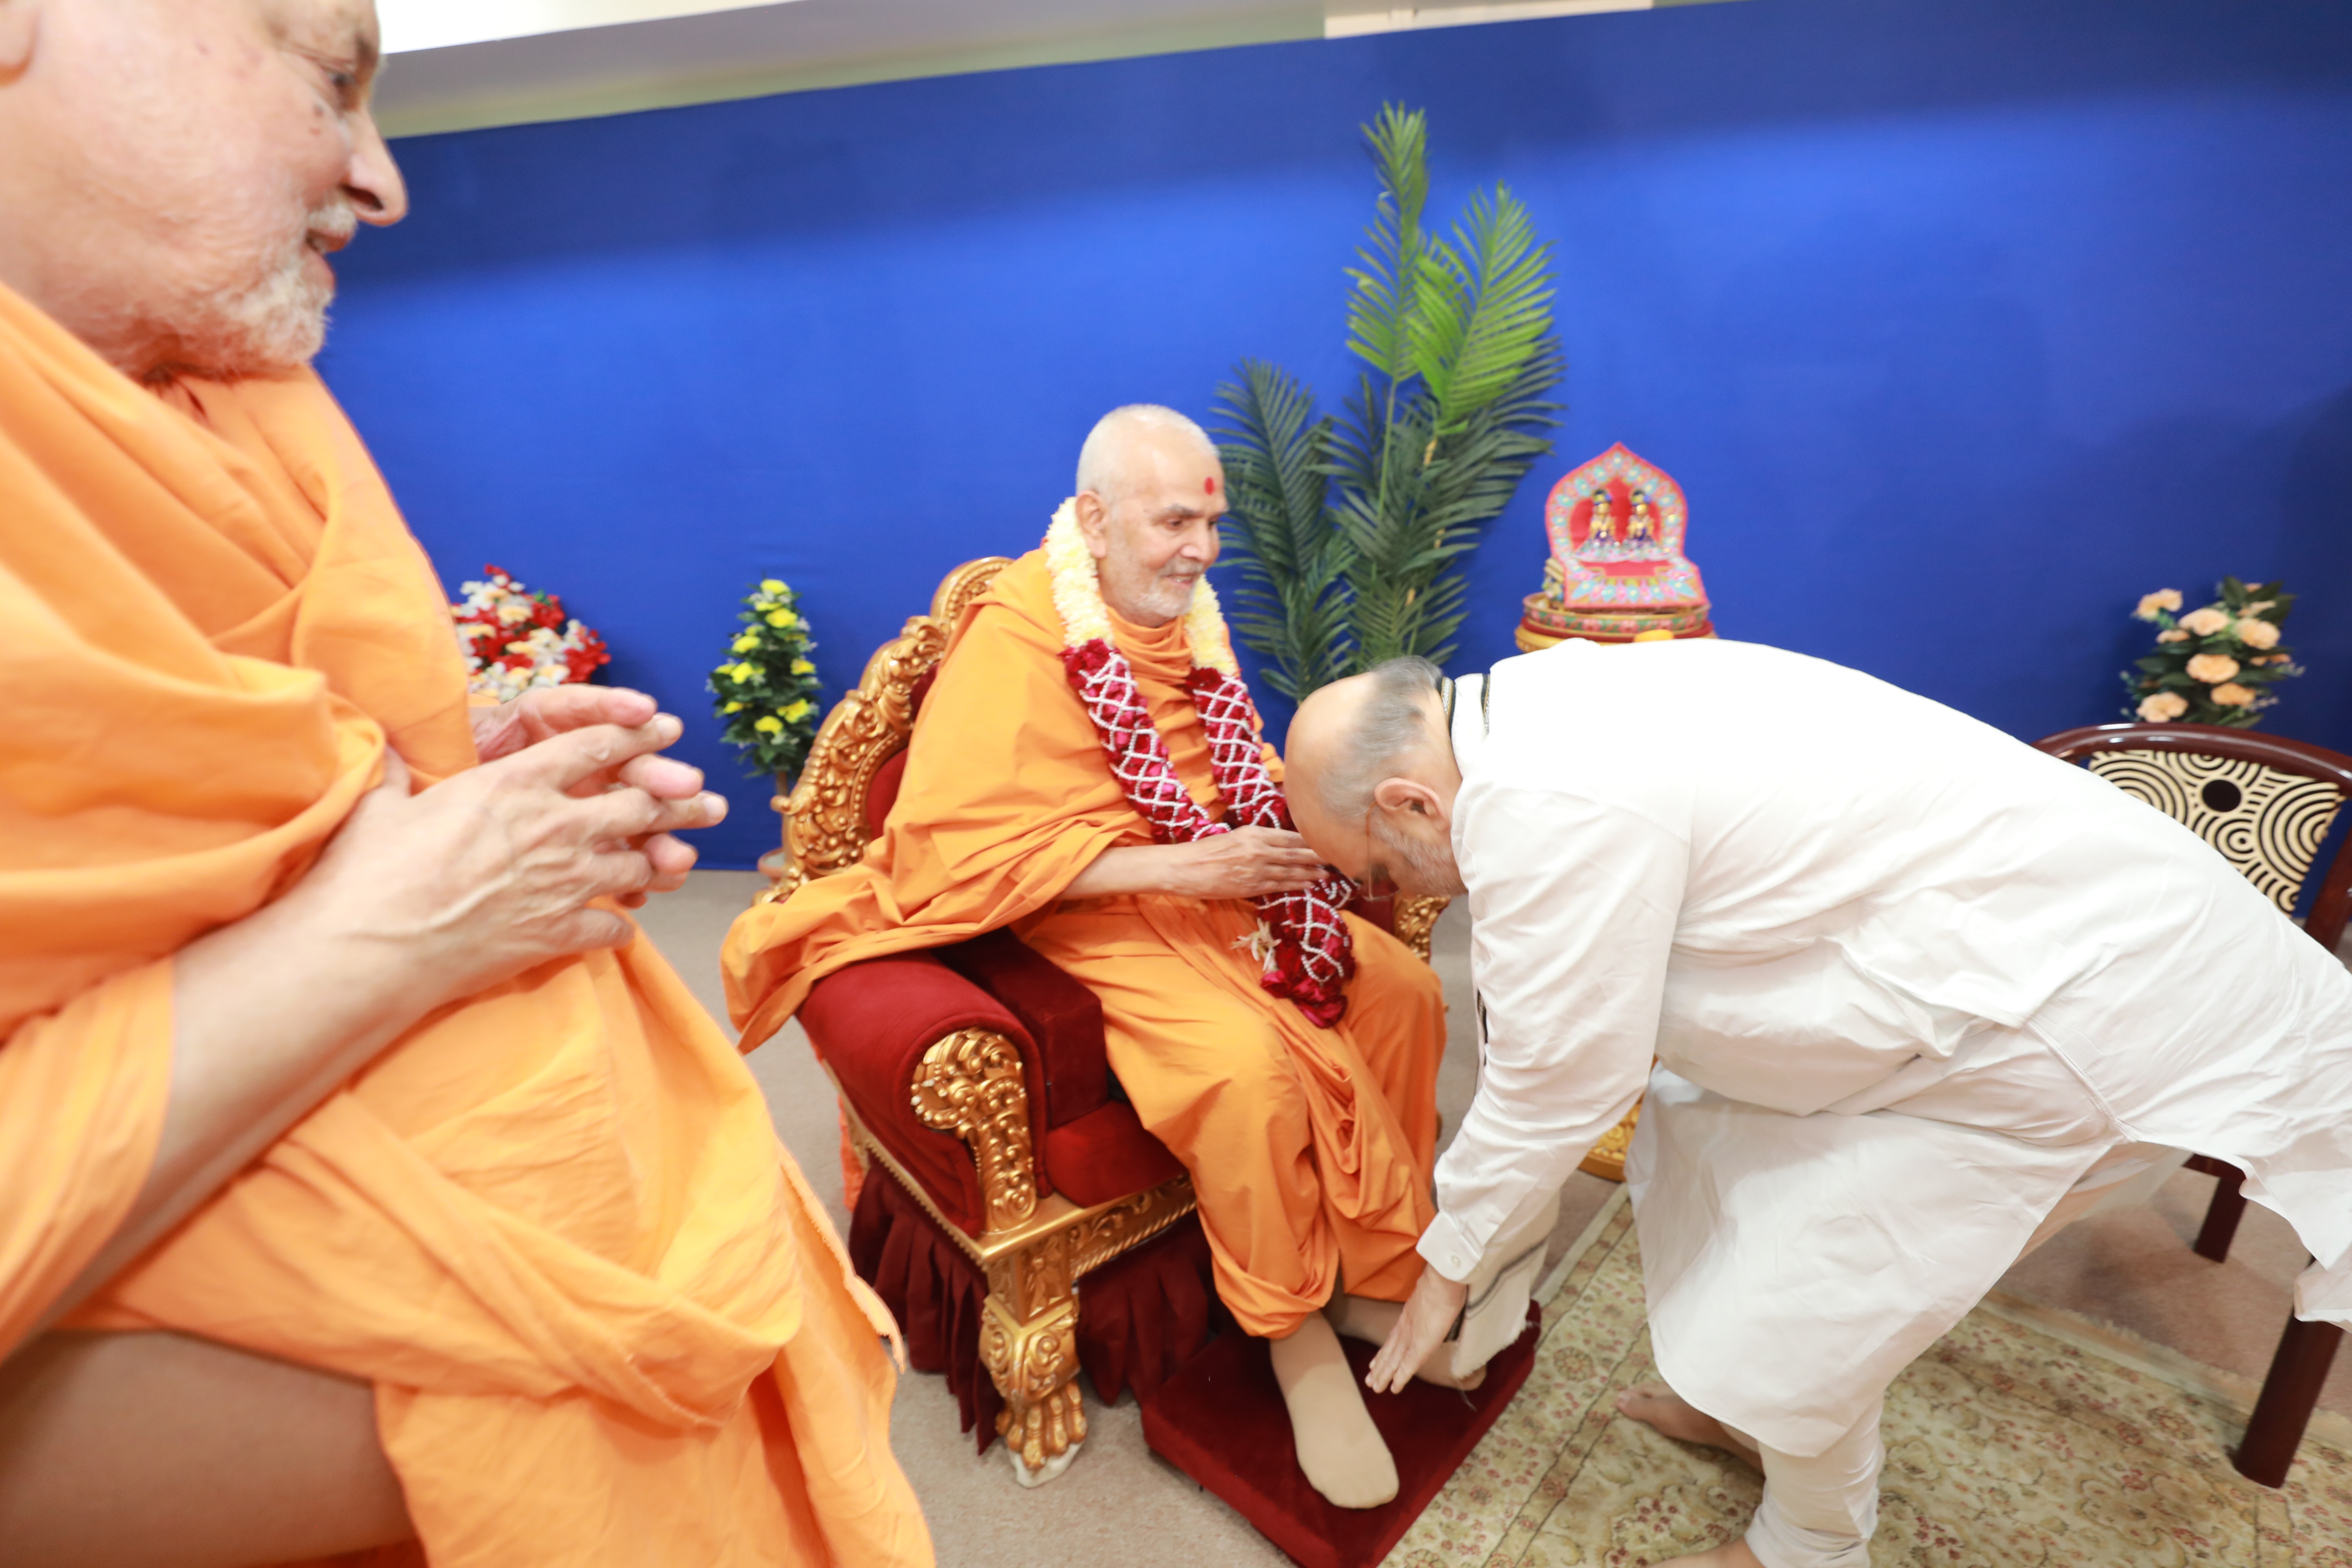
column 1917, row 995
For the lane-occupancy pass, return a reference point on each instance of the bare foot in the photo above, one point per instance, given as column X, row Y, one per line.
column 1339, row 1446
column 1659, row 1409
column 1733, row 1555
column 1362, row 1318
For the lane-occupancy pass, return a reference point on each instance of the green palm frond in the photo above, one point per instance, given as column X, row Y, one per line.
column 1291, row 601
column 1416, row 518
column 1381, row 311
column 1487, row 303
column 1350, row 532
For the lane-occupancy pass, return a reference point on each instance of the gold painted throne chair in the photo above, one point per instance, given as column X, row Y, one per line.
column 1008, row 1204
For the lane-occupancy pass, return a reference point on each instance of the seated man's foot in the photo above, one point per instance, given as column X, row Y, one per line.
column 1339, row 1446
column 1362, row 1318
column 1733, row 1554
column 1656, row 1406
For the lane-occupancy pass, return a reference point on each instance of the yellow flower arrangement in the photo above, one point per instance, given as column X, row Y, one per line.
column 766, row 691
column 2213, row 665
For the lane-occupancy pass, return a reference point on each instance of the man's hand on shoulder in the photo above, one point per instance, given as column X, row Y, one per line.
column 1243, row 864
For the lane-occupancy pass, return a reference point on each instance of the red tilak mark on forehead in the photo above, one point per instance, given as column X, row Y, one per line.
column 1209, row 487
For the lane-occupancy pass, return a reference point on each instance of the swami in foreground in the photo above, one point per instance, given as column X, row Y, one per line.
column 364, row 1178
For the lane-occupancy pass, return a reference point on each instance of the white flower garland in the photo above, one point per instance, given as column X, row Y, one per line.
column 1077, row 596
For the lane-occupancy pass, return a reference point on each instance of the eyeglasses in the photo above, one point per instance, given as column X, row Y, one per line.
column 1374, row 883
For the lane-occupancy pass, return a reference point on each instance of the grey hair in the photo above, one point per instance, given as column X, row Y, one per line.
column 1390, row 726
column 1100, row 466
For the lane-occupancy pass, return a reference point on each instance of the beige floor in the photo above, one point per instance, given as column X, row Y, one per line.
column 1120, row 1502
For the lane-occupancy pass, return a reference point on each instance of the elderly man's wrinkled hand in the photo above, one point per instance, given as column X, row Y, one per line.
column 545, row 712
column 502, row 867
column 1247, row 863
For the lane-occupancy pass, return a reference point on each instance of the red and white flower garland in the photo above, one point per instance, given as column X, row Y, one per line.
column 1302, row 941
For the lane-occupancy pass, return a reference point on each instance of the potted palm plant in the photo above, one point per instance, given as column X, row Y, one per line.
column 1349, row 530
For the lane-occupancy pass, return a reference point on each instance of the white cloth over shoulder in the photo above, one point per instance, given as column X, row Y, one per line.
column 1906, row 980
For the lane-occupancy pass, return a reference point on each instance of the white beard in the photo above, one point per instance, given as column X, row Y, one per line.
column 274, row 324
column 1162, row 597
column 1171, row 597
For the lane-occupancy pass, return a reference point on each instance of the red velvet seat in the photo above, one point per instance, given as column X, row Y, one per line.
column 1014, row 1214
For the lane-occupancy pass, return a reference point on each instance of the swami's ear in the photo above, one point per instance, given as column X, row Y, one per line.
column 1094, row 515
column 20, row 26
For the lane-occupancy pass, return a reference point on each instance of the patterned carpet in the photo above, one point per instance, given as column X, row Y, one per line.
column 2026, row 1435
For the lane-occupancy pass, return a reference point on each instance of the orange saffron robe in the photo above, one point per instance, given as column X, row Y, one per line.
column 605, row 1319
column 1310, row 1149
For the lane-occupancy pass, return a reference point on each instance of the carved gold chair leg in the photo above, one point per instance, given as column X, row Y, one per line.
column 1029, row 1343
column 971, row 1084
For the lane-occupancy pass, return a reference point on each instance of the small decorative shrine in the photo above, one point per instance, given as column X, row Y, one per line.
column 1617, row 572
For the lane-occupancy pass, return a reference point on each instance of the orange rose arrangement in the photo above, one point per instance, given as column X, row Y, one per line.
column 514, row 639
column 2215, row 664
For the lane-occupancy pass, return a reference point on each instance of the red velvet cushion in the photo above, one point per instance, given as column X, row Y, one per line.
column 1222, row 1421
column 1062, row 1015
column 1106, row 1154
column 882, row 793
column 871, row 1023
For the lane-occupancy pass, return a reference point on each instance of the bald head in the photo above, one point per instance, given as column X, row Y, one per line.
column 176, row 173
column 1351, row 734
column 1150, row 489
column 1371, row 778
column 1124, row 449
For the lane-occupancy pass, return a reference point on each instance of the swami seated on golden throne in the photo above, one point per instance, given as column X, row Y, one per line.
column 1088, row 772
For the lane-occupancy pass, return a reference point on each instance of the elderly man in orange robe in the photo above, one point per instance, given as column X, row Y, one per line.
column 366, row 1183
column 1088, row 770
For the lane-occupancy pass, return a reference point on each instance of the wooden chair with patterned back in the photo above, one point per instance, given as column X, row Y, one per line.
column 2267, row 804
column 974, row 1082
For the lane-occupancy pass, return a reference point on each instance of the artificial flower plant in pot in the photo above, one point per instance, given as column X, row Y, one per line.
column 765, row 693
column 2215, row 664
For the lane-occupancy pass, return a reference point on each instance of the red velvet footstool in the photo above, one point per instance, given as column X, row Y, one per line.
column 1220, row 1420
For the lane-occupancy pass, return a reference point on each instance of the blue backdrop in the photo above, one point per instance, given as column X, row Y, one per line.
column 1962, row 323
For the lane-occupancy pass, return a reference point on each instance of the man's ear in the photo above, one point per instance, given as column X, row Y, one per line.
column 1406, row 797
column 1094, row 516
column 20, row 26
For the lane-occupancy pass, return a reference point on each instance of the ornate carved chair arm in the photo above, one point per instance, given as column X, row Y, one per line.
column 973, row 1084
column 943, row 1075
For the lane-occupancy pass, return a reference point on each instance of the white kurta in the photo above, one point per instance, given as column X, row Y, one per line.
column 1907, row 981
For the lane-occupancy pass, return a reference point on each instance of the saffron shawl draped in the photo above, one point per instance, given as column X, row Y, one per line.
column 605, row 1319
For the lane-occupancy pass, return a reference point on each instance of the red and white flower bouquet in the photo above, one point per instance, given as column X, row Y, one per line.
column 514, row 639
